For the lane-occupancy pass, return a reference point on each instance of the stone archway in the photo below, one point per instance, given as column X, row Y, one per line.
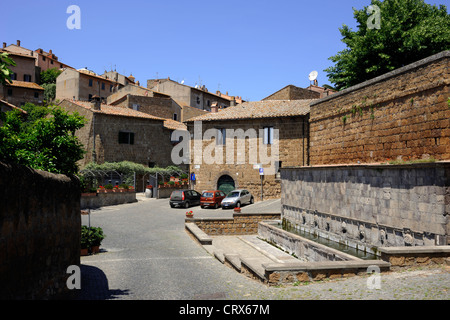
column 226, row 184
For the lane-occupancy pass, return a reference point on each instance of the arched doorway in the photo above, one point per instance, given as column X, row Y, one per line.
column 225, row 184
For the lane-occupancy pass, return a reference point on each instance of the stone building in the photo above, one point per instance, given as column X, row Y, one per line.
column 230, row 147
column 43, row 60
column 23, row 87
column 123, row 134
column 83, row 84
column 198, row 97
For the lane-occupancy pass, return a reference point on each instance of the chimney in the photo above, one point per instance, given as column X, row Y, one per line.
column 214, row 107
column 4, row 45
column 96, row 103
column 233, row 102
column 18, row 43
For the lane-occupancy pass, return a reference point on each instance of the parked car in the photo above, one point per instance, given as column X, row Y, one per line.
column 184, row 198
column 236, row 198
column 212, row 198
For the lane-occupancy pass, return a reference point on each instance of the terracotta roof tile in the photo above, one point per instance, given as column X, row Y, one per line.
column 25, row 84
column 259, row 109
column 115, row 111
column 174, row 125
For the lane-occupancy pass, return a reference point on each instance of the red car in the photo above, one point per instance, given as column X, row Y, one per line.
column 212, row 198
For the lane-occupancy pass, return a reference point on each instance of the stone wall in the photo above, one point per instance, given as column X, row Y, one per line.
column 40, row 227
column 103, row 199
column 292, row 92
column 400, row 115
column 239, row 224
column 370, row 205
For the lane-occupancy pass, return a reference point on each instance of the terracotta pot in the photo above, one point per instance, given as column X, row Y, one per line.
column 84, row 252
column 95, row 249
column 189, row 216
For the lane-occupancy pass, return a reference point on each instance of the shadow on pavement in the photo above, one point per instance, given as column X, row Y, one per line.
column 94, row 285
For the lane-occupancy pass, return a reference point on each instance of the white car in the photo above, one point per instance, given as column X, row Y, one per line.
column 236, row 198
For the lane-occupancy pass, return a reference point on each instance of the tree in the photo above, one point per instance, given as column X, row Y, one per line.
column 410, row 30
column 5, row 71
column 48, row 82
column 49, row 76
column 45, row 142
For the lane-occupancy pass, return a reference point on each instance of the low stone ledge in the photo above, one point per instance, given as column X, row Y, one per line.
column 307, row 266
column 415, row 250
column 289, row 273
column 202, row 237
column 401, row 257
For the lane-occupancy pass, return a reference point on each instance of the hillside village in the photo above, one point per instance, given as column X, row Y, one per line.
column 154, row 110
column 368, row 166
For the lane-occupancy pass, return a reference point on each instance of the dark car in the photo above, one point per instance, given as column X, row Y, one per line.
column 184, row 198
column 211, row 198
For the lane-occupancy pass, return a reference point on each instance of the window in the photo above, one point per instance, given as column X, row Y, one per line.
column 175, row 116
column 10, row 92
column 110, row 88
column 51, row 61
column 27, row 77
column 198, row 100
column 14, row 76
column 126, row 137
column 43, row 58
column 90, row 97
column 36, row 95
column 268, row 135
column 103, row 86
column 135, row 106
column 221, row 136
column 90, row 82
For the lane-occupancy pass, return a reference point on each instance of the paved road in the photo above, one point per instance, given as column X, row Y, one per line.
column 147, row 255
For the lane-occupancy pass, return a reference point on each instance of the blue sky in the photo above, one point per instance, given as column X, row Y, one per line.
column 249, row 48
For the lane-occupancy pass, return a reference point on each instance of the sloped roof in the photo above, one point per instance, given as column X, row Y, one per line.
column 114, row 110
column 174, row 125
column 259, row 109
column 24, row 84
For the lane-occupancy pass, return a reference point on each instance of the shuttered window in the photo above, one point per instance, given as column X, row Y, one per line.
column 126, row 137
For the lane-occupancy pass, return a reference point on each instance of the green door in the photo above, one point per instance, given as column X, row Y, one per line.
column 225, row 184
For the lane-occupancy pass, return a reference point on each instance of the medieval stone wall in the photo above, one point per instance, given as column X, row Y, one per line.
column 403, row 115
column 40, row 229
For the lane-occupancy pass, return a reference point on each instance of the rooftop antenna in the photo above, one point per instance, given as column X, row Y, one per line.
column 312, row 76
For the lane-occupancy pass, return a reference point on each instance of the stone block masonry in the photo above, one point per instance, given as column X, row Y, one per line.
column 403, row 114
column 40, row 227
column 239, row 224
column 370, row 205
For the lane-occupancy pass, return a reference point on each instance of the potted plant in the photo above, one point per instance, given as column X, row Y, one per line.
column 189, row 214
column 101, row 189
column 109, row 187
column 97, row 237
column 123, row 187
column 85, row 241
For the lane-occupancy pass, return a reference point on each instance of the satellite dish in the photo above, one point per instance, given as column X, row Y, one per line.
column 313, row 75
